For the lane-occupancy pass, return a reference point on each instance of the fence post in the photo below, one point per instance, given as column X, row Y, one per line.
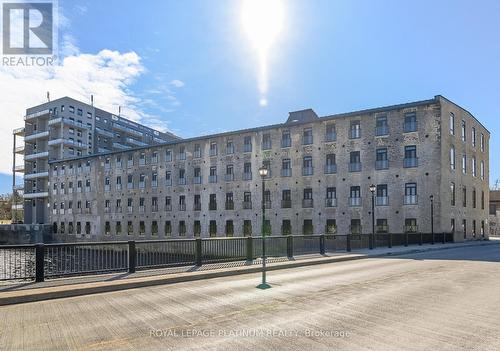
column 39, row 263
column 444, row 238
column 348, row 243
column 420, row 239
column 249, row 244
column 289, row 246
column 322, row 244
column 198, row 252
column 390, row 240
column 406, row 239
column 132, row 256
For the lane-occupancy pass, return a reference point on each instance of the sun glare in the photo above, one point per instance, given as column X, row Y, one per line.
column 262, row 21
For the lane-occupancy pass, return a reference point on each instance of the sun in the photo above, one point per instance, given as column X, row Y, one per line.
column 263, row 22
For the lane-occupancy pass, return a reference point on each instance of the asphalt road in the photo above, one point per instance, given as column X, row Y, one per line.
column 440, row 300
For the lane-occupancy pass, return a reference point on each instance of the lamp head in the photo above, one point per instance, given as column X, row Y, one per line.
column 373, row 188
column 263, row 171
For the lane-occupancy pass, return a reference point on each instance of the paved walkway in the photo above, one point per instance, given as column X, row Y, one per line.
column 19, row 292
column 433, row 300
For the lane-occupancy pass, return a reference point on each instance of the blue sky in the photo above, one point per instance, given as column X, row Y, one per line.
column 332, row 56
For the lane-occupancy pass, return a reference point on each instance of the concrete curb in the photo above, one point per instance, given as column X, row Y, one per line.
column 72, row 290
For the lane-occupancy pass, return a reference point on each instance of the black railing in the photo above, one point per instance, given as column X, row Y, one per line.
column 37, row 262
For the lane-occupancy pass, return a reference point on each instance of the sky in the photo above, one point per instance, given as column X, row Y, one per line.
column 189, row 67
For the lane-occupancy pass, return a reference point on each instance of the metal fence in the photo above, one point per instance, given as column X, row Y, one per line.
column 58, row 260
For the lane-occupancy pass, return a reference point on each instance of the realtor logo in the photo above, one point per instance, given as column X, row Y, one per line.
column 27, row 28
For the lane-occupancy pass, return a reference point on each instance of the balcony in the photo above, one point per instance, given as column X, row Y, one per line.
column 37, row 155
column 381, row 164
column 247, row 175
column 307, row 171
column 307, row 140
column 411, row 228
column 307, row 203
column 197, row 180
column 120, row 146
column 69, row 142
column 354, row 201
column 197, row 154
column 37, row 194
column 381, row 130
column 212, row 179
column 354, row 134
column 410, row 127
column 286, row 142
column 229, row 177
column 182, row 181
column 19, row 150
column 286, row 203
column 247, row 147
column 135, row 142
column 330, row 202
column 355, row 167
column 410, row 162
column 18, row 131
column 331, row 136
column 212, row 152
column 39, row 135
column 19, row 168
column 266, row 145
column 41, row 114
column 168, row 182
column 118, row 187
column 43, row 174
column 330, row 169
column 410, row 200
column 104, row 132
column 382, row 200
column 128, row 130
column 247, row 205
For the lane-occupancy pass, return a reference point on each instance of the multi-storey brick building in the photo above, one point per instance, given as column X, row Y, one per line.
column 320, row 172
column 65, row 128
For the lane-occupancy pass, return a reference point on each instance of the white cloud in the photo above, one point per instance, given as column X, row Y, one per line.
column 177, row 83
column 108, row 75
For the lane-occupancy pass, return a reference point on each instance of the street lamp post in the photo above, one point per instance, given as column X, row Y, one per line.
column 263, row 174
column 372, row 237
column 432, row 217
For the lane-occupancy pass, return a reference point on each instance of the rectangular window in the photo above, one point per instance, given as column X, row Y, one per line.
column 247, row 200
column 168, row 155
column 247, row 171
column 464, row 164
column 130, row 228
column 308, row 228
column 286, row 198
column 168, row 228
column 410, row 159
column 452, row 157
column 229, row 201
column 411, row 225
column 197, row 175
column 355, row 196
column 473, row 136
column 247, row 227
column 266, row 141
column 197, row 151
column 355, row 226
column 355, row 161
column 330, row 134
column 247, row 144
column 229, row 147
column 464, row 196
column 410, row 194
column 355, row 130
column 473, row 166
column 464, row 131
column 452, row 123
column 307, row 136
column 229, row 228
column 330, row 165
column 474, row 200
column 331, row 197
column 197, row 228
column 286, row 227
column 481, row 170
column 307, row 166
column 212, row 178
column 286, row 139
column 182, row 153
column 212, row 228
column 229, row 176
column 182, row 228
column 197, row 202
column 286, row 167
column 452, row 194
column 182, row 176
column 381, row 161
column 381, row 126
column 212, row 204
column 382, row 198
column 168, row 178
column 331, row 226
column 481, row 141
column 410, row 123
column 307, row 201
column 382, row 226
